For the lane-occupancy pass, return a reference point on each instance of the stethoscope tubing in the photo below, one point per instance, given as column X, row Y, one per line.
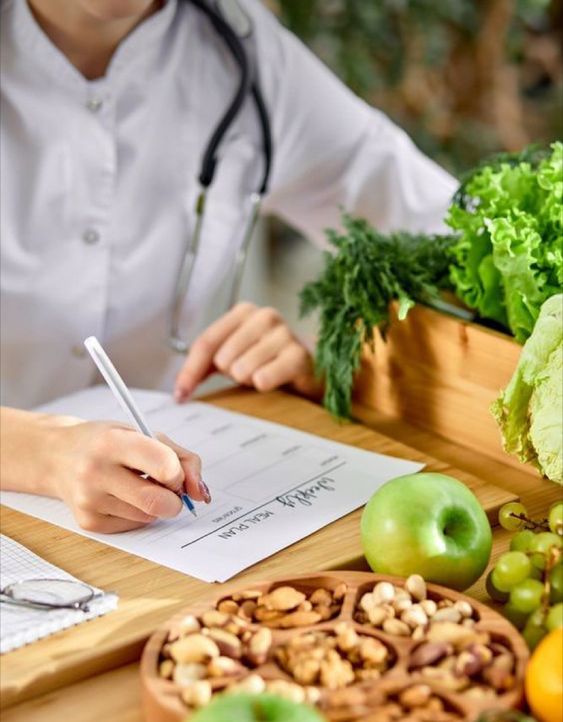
column 248, row 85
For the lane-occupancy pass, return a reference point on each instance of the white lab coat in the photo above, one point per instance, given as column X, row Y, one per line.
column 98, row 182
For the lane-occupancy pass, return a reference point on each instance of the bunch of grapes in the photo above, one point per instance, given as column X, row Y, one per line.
column 528, row 579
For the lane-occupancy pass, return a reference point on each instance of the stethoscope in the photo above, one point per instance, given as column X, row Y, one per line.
column 235, row 28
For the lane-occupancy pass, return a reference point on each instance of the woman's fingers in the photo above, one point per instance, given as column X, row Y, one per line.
column 266, row 349
column 200, row 357
column 149, row 497
column 104, row 523
column 128, row 448
column 110, row 505
column 253, row 346
column 291, row 363
column 251, row 331
column 191, row 464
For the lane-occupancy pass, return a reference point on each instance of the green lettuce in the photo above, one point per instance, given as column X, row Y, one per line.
column 509, row 256
column 530, row 410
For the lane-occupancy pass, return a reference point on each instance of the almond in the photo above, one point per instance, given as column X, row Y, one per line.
column 283, row 599
column 224, row 667
column 259, row 646
column 416, row 696
column 213, row 618
column 229, row 645
column 228, row 606
column 299, row 619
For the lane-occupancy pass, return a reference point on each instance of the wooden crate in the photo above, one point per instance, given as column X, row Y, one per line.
column 442, row 374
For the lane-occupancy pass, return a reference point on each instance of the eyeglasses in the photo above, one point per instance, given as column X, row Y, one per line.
column 49, row 594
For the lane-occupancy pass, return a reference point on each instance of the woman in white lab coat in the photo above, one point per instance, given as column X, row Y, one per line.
column 107, row 106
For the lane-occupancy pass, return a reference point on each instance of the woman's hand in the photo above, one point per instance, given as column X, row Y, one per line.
column 96, row 467
column 255, row 347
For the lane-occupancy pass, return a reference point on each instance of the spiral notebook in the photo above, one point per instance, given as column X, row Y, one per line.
column 21, row 625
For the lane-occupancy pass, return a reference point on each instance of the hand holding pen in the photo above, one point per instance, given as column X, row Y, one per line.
column 95, row 467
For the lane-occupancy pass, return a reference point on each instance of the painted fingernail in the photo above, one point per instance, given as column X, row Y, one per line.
column 204, row 491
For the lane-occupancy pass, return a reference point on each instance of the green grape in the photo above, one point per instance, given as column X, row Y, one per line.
column 554, row 618
column 556, row 584
column 533, row 635
column 506, row 518
column 526, row 596
column 515, row 616
column 537, row 618
column 521, row 542
column 497, row 583
column 493, row 592
column 536, row 573
column 540, row 546
column 556, row 518
column 511, row 568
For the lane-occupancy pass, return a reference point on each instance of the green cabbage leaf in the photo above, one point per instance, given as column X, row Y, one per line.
column 530, row 410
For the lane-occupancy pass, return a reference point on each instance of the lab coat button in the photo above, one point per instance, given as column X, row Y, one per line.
column 94, row 104
column 90, row 236
column 78, row 351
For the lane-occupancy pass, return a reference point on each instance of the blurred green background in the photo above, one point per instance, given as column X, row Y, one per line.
column 464, row 77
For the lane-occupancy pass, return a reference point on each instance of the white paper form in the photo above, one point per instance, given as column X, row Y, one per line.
column 271, row 485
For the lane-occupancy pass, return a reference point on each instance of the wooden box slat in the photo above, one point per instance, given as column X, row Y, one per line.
column 442, row 374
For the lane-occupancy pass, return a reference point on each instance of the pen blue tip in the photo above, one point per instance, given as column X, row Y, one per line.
column 189, row 504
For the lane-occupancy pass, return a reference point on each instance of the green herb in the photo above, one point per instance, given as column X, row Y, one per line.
column 359, row 281
column 509, row 256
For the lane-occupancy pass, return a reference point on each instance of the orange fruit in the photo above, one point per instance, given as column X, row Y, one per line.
column 544, row 678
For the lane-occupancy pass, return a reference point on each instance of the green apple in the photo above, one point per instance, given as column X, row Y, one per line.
column 255, row 708
column 428, row 524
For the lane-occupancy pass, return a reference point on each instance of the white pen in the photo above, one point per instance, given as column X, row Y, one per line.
column 123, row 395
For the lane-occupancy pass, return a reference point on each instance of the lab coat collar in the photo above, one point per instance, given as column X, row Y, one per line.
column 137, row 49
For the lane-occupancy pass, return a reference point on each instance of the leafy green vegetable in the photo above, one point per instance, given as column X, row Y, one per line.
column 530, row 410
column 505, row 260
column 368, row 271
column 509, row 257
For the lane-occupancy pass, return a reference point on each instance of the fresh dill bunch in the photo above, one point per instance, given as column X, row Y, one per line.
column 352, row 295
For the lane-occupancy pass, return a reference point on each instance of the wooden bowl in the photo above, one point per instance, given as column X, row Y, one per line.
column 162, row 702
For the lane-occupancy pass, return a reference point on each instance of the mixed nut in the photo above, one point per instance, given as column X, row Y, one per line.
column 283, row 641
column 416, row 703
column 408, row 611
column 285, row 607
column 334, row 659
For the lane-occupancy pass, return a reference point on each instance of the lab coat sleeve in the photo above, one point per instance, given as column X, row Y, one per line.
column 334, row 152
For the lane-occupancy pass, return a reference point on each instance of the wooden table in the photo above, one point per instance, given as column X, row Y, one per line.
column 66, row 676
